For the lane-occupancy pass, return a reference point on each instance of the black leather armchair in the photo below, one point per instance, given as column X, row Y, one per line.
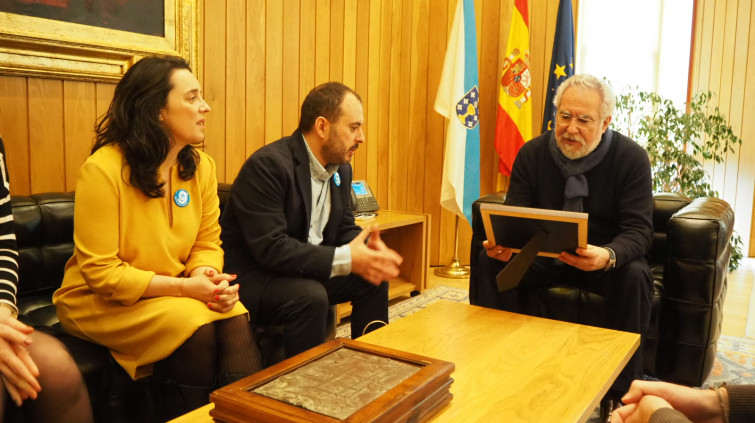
column 689, row 260
column 44, row 234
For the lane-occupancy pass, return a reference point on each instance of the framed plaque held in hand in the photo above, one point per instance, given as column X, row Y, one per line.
column 339, row 381
column 513, row 227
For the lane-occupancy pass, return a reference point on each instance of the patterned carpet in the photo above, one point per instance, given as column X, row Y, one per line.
column 735, row 359
column 404, row 308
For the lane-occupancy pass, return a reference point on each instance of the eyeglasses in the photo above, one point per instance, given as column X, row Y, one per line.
column 583, row 122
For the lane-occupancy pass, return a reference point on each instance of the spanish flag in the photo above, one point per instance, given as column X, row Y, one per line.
column 514, row 121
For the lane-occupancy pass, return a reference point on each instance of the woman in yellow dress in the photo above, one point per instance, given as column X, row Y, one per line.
column 145, row 279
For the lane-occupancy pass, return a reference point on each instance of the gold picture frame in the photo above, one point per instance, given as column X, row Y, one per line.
column 31, row 46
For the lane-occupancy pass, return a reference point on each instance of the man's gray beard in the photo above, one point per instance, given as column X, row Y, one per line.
column 583, row 151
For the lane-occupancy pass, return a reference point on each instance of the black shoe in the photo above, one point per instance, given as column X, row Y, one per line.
column 607, row 405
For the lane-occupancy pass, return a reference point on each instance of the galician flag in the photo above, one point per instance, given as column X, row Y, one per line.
column 514, row 119
column 562, row 59
column 458, row 101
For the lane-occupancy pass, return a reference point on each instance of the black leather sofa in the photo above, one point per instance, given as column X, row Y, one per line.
column 689, row 259
column 44, row 234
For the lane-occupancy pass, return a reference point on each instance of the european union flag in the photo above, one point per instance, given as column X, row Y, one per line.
column 562, row 60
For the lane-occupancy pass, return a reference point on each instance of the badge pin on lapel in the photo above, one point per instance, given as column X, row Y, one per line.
column 181, row 198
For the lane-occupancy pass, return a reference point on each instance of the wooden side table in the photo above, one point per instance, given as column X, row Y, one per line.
column 408, row 234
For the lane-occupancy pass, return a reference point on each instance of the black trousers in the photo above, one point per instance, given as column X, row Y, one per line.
column 627, row 290
column 301, row 306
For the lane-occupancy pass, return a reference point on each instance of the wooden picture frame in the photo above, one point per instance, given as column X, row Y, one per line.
column 415, row 398
column 37, row 47
column 512, row 227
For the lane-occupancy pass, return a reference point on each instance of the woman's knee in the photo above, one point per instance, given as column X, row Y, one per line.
column 57, row 369
column 203, row 340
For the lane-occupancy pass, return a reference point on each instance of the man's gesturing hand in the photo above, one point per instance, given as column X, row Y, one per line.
column 374, row 261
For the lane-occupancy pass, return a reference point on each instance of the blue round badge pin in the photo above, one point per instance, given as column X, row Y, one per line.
column 337, row 179
column 181, row 198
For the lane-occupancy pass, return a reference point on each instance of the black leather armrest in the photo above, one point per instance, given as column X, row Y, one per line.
column 695, row 284
column 478, row 229
column 478, row 235
column 699, row 250
column 665, row 204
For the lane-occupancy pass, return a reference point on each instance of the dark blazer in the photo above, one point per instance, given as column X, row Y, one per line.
column 265, row 224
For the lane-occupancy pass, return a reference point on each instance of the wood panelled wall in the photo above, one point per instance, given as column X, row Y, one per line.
column 47, row 126
column 261, row 58
column 724, row 62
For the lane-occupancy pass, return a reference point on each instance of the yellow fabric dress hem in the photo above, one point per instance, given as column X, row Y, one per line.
column 165, row 324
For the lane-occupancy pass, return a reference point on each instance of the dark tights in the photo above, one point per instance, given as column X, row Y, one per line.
column 64, row 396
column 215, row 355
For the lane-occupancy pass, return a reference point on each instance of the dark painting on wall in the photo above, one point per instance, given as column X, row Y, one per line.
column 139, row 16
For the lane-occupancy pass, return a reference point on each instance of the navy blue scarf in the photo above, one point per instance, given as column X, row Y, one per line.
column 574, row 170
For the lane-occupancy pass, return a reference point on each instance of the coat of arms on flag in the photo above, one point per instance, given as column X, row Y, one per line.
column 467, row 110
column 514, row 115
column 516, row 78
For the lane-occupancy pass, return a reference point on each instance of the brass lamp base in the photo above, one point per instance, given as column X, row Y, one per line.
column 453, row 270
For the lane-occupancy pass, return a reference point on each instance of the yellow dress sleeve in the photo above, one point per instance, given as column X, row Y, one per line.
column 96, row 233
column 206, row 250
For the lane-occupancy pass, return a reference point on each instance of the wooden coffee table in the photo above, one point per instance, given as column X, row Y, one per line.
column 509, row 367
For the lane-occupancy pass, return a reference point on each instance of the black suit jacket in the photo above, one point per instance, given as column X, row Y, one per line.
column 265, row 224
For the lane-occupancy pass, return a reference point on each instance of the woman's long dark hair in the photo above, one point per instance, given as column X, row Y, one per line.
column 132, row 123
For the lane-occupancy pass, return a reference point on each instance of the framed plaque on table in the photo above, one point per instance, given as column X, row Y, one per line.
column 339, row 381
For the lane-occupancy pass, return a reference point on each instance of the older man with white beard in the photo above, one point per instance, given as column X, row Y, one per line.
column 586, row 167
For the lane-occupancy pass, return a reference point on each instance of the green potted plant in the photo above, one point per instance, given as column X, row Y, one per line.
column 676, row 142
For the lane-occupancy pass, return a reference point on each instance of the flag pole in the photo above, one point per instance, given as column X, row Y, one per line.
column 454, row 270
column 458, row 101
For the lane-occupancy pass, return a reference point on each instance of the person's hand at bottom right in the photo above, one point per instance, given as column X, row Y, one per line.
column 639, row 412
column 645, row 397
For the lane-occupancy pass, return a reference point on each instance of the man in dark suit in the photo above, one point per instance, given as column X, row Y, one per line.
column 289, row 234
